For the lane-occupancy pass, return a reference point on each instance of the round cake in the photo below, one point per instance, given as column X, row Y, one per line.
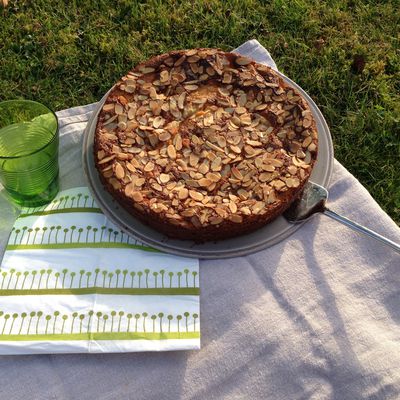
column 204, row 145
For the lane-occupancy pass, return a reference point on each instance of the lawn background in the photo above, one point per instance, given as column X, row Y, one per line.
column 345, row 54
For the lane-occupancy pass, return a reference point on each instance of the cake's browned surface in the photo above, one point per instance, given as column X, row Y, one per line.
column 204, row 145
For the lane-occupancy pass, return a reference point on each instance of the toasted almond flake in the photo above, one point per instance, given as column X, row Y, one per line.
column 129, row 189
column 181, row 100
column 123, row 156
column 106, row 159
column 137, row 196
column 307, row 158
column 149, row 166
column 265, row 177
column 135, row 163
column 236, row 218
column 109, row 120
column 196, row 195
column 193, row 160
column 119, row 109
column 296, row 182
column 183, row 193
column 215, row 177
column 312, row 147
column 164, row 76
column 243, row 194
column 158, row 122
column 164, row 178
column 188, row 213
column 236, row 173
column 101, row 154
column 216, row 164
column 307, row 123
column 122, row 125
column 146, row 70
column 204, row 168
column 278, row 184
column 232, row 207
column 249, row 150
column 261, row 107
column 307, row 141
column 191, row 52
column 242, row 60
column 289, row 182
column 157, row 187
column 171, row 151
column 268, row 168
column 139, row 182
column 292, row 170
column 236, row 149
column 215, row 220
column 164, row 136
column 179, row 61
column 193, row 59
column 108, row 107
column 259, row 206
column 191, row 88
column 205, row 182
column 214, row 147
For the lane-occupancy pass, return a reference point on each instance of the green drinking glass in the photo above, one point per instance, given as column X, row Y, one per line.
column 28, row 152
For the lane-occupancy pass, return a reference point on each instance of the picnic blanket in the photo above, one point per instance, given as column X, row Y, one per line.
column 314, row 317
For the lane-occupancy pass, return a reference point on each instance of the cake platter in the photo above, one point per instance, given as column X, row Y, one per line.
column 262, row 238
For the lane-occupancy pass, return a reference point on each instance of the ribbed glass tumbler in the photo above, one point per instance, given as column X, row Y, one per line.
column 28, row 152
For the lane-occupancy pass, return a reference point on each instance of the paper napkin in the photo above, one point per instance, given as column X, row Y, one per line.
column 71, row 281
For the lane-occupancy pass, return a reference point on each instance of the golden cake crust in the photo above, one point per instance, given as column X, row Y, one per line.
column 204, row 145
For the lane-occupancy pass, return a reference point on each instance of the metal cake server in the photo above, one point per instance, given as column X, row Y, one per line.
column 313, row 201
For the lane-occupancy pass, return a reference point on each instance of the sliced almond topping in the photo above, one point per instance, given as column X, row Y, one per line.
column 215, row 177
column 164, row 178
column 164, row 136
column 233, row 207
column 158, row 122
column 196, row 195
column 215, row 220
column 205, row 182
column 149, row 166
column 236, row 173
column 191, row 88
column 242, row 60
column 119, row 109
column 106, row 159
column 204, row 168
column 108, row 107
column 268, row 168
column 259, row 206
column 129, row 189
column 236, row 218
column 191, row 52
column 193, row 160
column 171, row 151
column 216, row 164
column 183, row 193
column 139, row 182
column 119, row 171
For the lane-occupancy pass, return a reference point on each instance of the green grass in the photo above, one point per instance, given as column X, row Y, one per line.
column 69, row 53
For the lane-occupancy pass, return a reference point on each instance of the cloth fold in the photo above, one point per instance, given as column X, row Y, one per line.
column 314, row 317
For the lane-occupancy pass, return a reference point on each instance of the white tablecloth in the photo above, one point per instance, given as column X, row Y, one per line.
column 314, row 317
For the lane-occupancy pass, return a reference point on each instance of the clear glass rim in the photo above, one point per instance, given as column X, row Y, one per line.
column 54, row 136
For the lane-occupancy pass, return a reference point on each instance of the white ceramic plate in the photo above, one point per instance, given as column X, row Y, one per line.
column 267, row 236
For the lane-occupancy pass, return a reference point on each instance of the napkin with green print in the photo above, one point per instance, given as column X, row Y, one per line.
column 71, row 281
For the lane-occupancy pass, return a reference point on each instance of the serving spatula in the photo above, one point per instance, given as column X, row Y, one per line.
column 313, row 200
